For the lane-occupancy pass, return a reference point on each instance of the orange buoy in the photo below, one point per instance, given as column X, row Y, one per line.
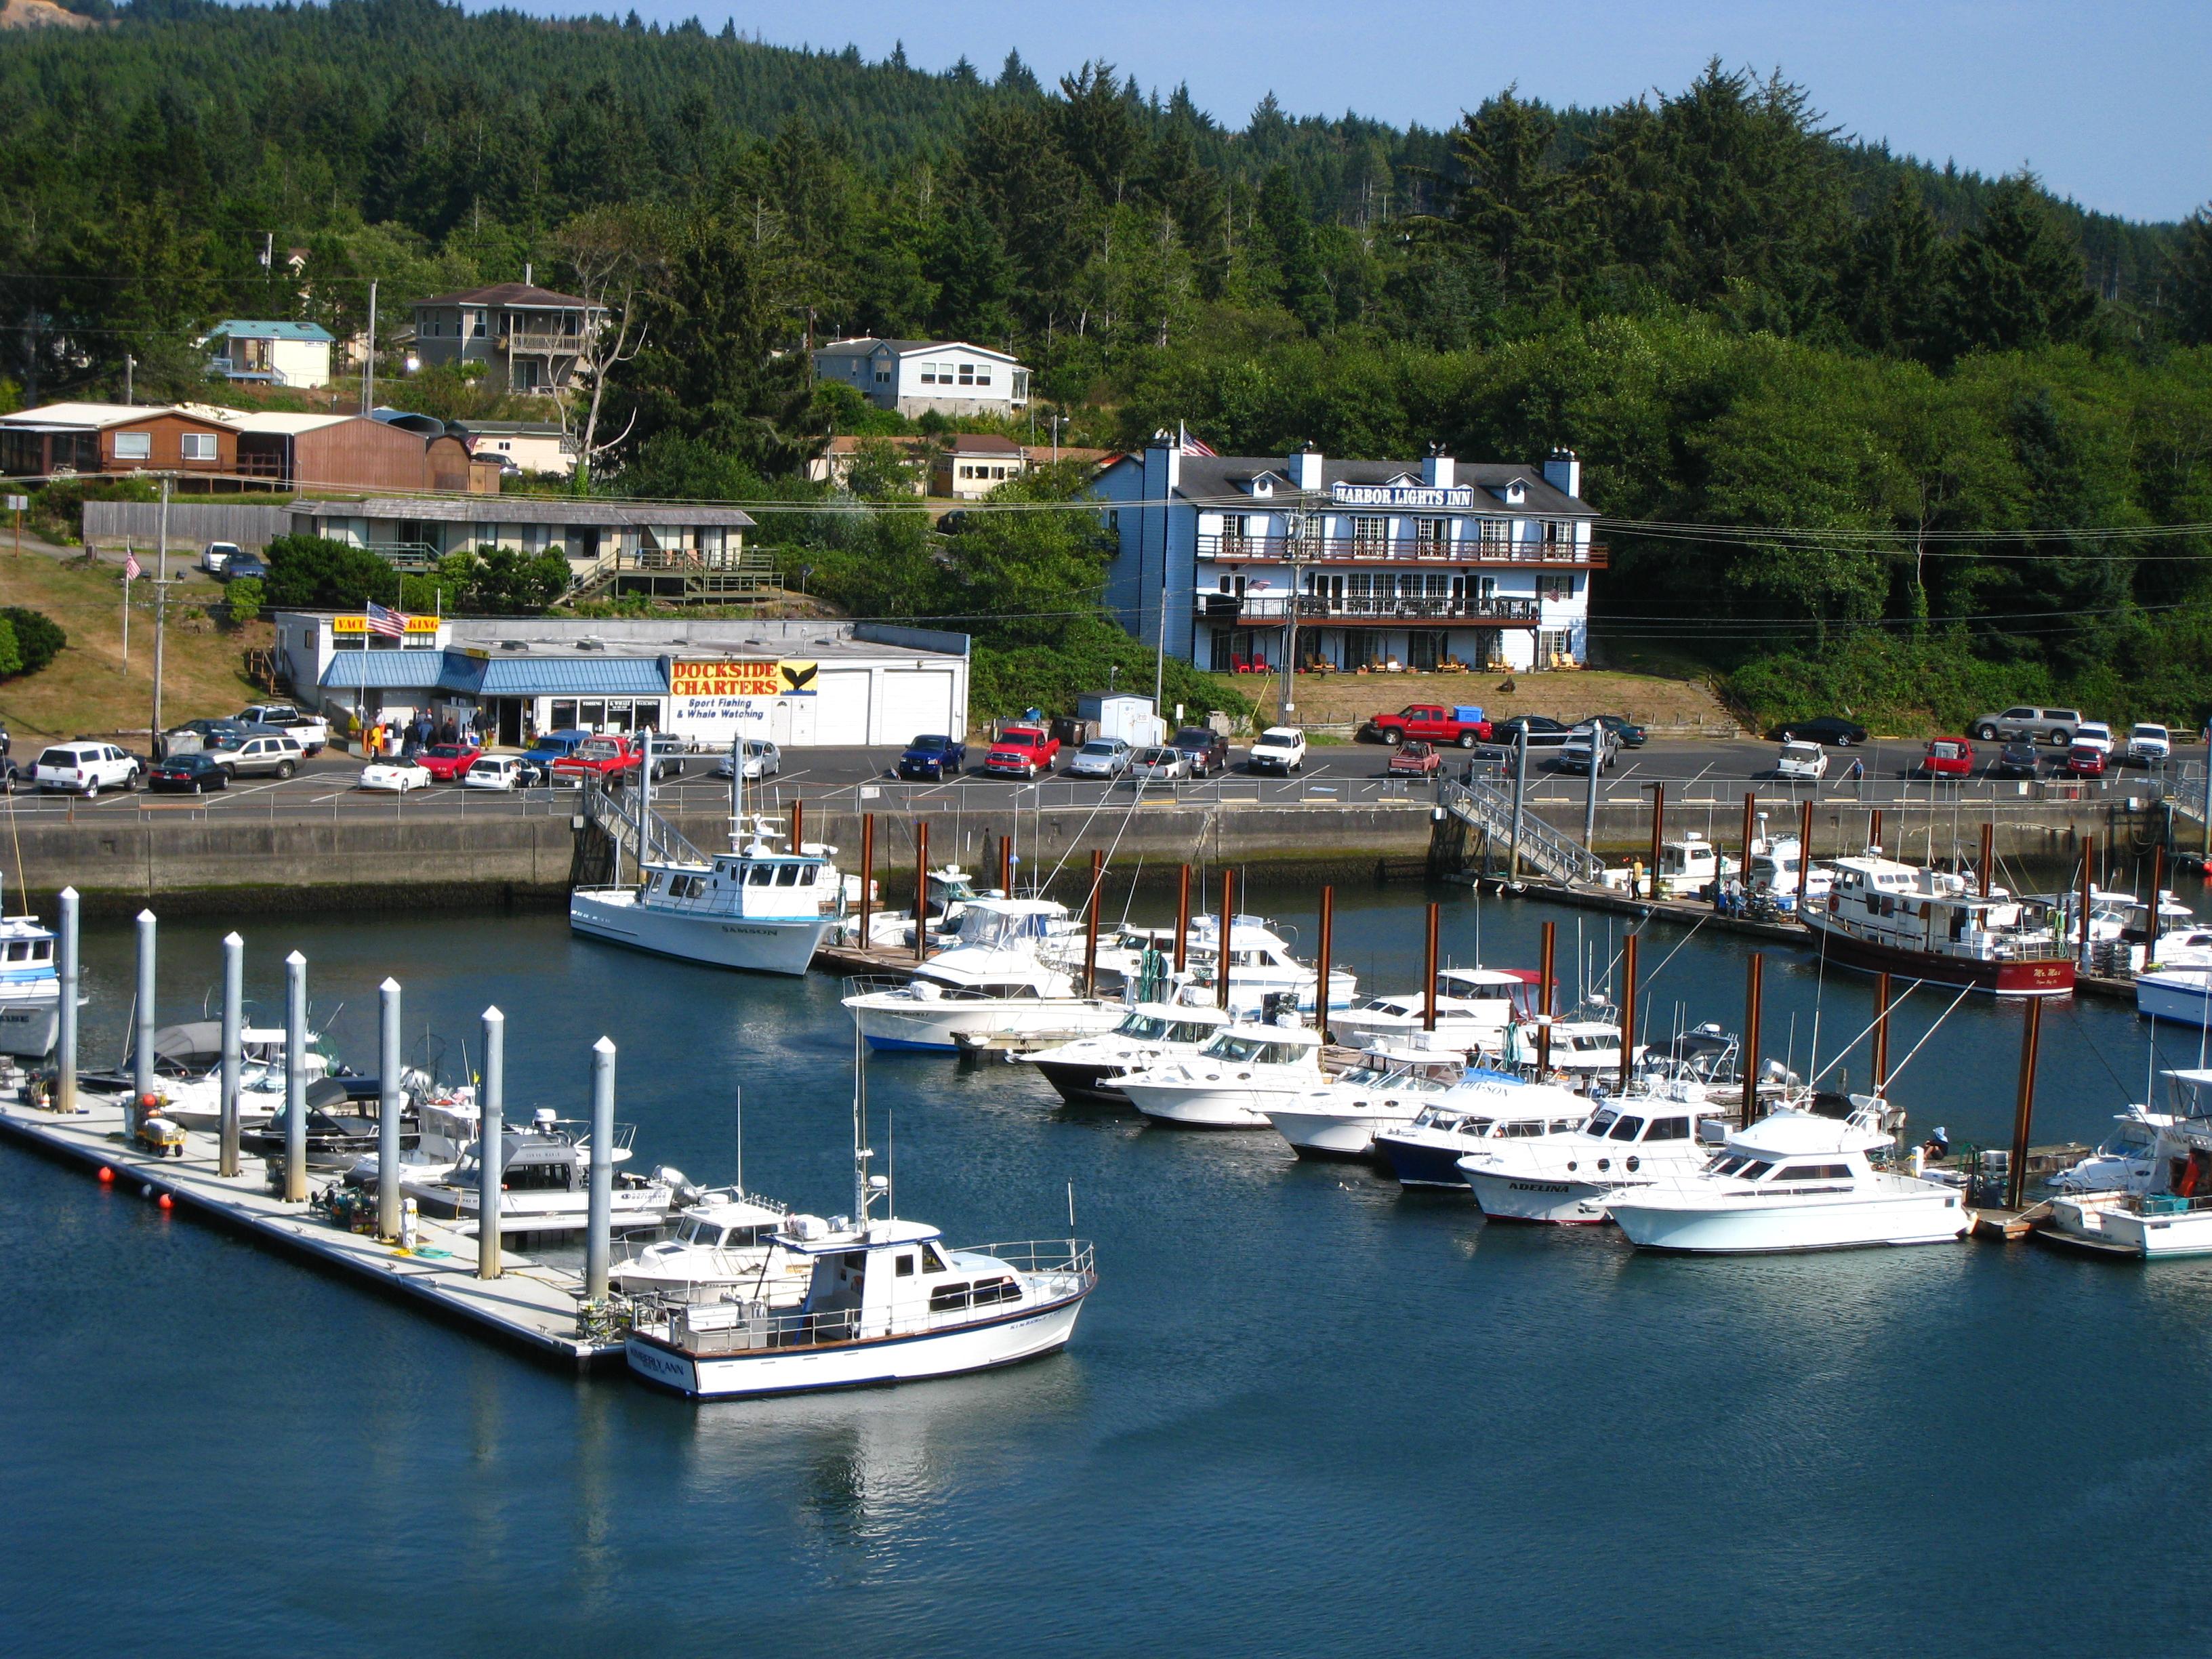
column 106, row 1176
column 167, row 1203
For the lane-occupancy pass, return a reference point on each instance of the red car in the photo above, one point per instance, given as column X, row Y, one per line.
column 445, row 762
column 1418, row 759
column 2085, row 760
column 1948, row 758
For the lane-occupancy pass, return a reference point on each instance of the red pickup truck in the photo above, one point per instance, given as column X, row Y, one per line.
column 1024, row 750
column 614, row 761
column 1430, row 722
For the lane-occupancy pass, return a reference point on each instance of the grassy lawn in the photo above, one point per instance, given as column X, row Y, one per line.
column 87, row 689
column 1650, row 699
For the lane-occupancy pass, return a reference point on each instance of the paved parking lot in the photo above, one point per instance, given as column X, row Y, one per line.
column 1700, row 772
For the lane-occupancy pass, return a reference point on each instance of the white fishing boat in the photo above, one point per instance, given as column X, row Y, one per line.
column 1341, row 1118
column 1689, row 865
column 1475, row 1008
column 1887, row 917
column 1232, row 1082
column 1778, row 867
column 545, row 1182
column 1089, row 1070
column 1566, row 1177
column 947, row 892
column 1482, row 1107
column 444, row 1122
column 885, row 1301
column 988, row 982
column 2180, row 993
column 1263, row 968
column 1585, row 1044
column 1793, row 1181
column 30, row 988
column 722, row 1240
column 2162, row 1206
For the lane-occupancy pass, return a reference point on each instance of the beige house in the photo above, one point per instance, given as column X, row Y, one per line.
column 531, row 338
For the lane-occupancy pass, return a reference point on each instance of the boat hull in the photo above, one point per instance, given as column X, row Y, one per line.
column 1418, row 1164
column 1088, row 1082
column 1558, row 1201
column 30, row 1023
column 894, row 1021
column 1203, row 1105
column 758, row 1373
column 1937, row 1217
column 1330, row 1135
column 611, row 915
column 2183, row 995
column 2103, row 1221
column 2047, row 977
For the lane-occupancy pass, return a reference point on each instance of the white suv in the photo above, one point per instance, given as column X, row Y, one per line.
column 1279, row 749
column 2149, row 744
column 85, row 769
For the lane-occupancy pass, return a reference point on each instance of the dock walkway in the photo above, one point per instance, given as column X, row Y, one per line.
column 529, row 1304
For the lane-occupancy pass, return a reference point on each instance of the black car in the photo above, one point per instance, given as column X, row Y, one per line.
column 1626, row 732
column 1822, row 729
column 188, row 774
column 1206, row 749
column 2015, row 760
column 1537, row 730
column 244, row 564
column 933, row 757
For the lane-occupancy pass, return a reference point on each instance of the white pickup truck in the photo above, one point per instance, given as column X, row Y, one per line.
column 313, row 731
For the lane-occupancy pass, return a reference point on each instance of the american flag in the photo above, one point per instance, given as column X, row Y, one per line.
column 131, row 572
column 1191, row 446
column 381, row 621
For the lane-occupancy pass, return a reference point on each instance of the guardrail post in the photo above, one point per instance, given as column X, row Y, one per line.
column 387, row 1110
column 598, row 1240
column 233, row 1020
column 491, row 1148
column 65, row 1067
column 295, row 1077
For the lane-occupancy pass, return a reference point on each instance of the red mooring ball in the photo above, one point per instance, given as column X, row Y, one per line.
column 167, row 1203
column 106, row 1176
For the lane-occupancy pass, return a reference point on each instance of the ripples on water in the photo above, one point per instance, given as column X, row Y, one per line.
column 1304, row 1413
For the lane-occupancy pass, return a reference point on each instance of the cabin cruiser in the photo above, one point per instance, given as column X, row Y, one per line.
column 1795, row 1180
column 1585, row 1044
column 2162, row 1206
column 947, row 890
column 883, row 1301
column 1090, row 1069
column 1777, row 867
column 1688, row 868
column 1480, row 1109
column 30, row 988
column 1232, row 1082
column 1665, row 1129
column 754, row 909
column 1476, row 1007
column 1386, row 1090
column 1887, row 917
column 989, row 982
column 2181, row 993
column 719, row 1242
column 341, row 1126
column 545, row 1179
column 448, row 1121
column 2125, row 1161
column 188, row 1072
column 1261, row 963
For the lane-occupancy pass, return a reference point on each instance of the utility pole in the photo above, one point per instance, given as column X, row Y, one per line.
column 130, row 364
column 161, row 611
column 1290, row 698
column 368, row 357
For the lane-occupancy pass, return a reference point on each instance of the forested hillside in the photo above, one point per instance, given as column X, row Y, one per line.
column 1737, row 313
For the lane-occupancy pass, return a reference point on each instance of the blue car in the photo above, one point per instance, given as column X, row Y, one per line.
column 932, row 757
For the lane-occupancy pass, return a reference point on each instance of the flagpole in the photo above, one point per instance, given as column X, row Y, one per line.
column 129, row 559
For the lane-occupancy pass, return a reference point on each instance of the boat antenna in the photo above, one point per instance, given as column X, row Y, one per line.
column 1071, row 1205
column 890, row 1164
column 739, row 1116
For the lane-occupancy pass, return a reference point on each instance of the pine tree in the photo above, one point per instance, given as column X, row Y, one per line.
column 1890, row 275
column 2191, row 278
column 1510, row 195
column 1014, row 77
column 2016, row 280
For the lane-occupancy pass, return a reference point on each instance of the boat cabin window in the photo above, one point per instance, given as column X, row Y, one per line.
column 1194, row 1032
column 761, row 875
column 19, row 950
column 787, row 875
column 906, row 1264
column 988, row 1291
column 1601, row 1123
column 535, row 1177
column 1724, row 1165
column 948, row 1298
column 932, row 1261
column 1752, row 1170
column 1669, row 1128
column 42, row 950
column 1626, row 1130
column 1521, row 1131
column 1146, row 1028
column 1816, row 1172
column 1564, row 1125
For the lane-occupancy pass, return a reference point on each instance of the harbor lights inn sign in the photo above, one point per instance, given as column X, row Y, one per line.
column 1404, row 498
column 727, row 697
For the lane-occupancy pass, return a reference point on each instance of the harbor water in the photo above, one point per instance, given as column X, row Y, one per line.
column 1304, row 1413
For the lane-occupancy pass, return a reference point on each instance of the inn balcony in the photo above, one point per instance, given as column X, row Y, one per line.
column 1344, row 549
column 1260, row 610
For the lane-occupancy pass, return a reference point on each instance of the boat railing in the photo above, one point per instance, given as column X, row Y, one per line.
column 1040, row 1255
column 863, row 985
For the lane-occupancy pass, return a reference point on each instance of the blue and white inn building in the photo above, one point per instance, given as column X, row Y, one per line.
column 1426, row 564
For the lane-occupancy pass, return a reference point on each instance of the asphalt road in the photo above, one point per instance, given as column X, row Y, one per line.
column 1714, row 773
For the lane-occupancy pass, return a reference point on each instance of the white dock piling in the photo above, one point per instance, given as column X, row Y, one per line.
column 233, row 1018
column 387, row 1111
column 142, row 1043
column 66, row 1079
column 492, row 1107
column 295, row 1078
column 598, row 1246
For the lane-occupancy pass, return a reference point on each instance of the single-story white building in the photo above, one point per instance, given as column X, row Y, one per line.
column 915, row 376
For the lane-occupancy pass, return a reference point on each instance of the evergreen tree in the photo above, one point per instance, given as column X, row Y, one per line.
column 1509, row 196
column 1892, row 273
column 1014, row 77
column 2015, row 280
column 2191, row 278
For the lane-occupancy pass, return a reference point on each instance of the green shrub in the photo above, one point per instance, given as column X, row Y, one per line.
column 243, row 596
column 11, row 655
column 39, row 638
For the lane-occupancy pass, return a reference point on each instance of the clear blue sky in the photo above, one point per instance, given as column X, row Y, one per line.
column 2108, row 102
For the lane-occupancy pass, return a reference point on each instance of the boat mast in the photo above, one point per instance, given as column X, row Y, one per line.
column 737, row 788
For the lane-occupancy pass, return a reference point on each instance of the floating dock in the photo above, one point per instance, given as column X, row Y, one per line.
column 530, row 1305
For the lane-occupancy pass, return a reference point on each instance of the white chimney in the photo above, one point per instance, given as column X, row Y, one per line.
column 1169, row 472
column 1564, row 472
column 1305, row 469
column 1438, row 469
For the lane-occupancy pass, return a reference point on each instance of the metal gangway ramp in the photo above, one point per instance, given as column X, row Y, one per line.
column 1485, row 807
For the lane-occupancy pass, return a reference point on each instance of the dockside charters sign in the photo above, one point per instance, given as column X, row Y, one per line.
column 741, row 679
column 1407, row 497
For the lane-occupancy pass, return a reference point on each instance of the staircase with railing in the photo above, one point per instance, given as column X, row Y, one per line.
column 1485, row 807
column 678, row 574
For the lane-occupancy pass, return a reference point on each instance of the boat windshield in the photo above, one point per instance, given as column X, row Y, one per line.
column 1241, row 1050
column 1146, row 1028
column 981, row 925
column 1600, row 1123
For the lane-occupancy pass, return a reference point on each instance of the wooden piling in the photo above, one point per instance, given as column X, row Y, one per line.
column 1328, row 941
column 798, row 823
column 1007, row 864
column 1182, row 919
column 1658, row 836
column 1428, row 993
column 920, row 889
column 1804, row 849
column 1222, row 956
column 1753, row 972
column 2157, row 887
column 2023, row 1116
column 1750, row 830
column 2088, row 884
column 1627, row 1010
column 1873, row 828
column 1091, row 924
column 1544, row 1025
column 1989, row 854
column 867, row 872
column 1881, row 1034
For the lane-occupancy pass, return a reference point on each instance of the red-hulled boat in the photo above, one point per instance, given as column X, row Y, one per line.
column 1894, row 918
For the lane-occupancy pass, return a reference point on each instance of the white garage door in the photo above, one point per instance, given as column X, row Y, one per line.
column 841, row 707
column 915, row 704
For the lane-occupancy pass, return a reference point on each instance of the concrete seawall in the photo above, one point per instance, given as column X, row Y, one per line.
column 122, row 860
